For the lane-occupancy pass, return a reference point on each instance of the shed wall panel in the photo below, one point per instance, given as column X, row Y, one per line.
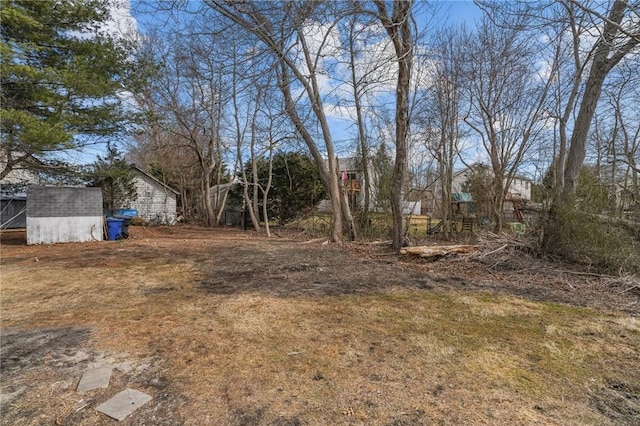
column 153, row 200
column 49, row 230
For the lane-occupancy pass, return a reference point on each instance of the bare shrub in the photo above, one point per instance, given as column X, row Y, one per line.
column 588, row 239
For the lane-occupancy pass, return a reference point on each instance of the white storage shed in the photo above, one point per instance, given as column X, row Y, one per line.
column 64, row 214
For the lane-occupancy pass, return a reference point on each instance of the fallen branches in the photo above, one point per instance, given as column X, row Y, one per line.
column 316, row 240
column 438, row 251
column 488, row 247
column 495, row 249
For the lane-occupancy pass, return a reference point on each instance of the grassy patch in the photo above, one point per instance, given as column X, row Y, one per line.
column 387, row 356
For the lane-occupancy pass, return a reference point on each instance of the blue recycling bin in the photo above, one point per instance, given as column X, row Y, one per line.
column 126, row 221
column 114, row 228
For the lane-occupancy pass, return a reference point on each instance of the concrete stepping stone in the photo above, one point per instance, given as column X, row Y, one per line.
column 95, row 379
column 124, row 403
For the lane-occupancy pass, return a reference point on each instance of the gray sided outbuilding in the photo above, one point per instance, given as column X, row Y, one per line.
column 155, row 201
column 63, row 214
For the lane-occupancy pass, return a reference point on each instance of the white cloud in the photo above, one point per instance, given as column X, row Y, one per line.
column 323, row 41
column 339, row 112
column 375, row 68
column 121, row 23
column 374, row 63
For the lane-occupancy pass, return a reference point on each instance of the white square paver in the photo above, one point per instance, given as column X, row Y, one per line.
column 94, row 379
column 124, row 403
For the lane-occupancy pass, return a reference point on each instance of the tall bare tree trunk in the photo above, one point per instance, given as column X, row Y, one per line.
column 328, row 173
column 276, row 30
column 267, row 188
column 605, row 58
column 362, row 135
column 609, row 50
column 240, row 132
column 398, row 26
column 252, row 202
column 206, row 192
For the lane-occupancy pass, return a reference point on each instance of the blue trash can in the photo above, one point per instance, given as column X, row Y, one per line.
column 126, row 221
column 114, row 228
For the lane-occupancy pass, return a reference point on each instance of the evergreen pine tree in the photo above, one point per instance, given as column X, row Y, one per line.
column 61, row 77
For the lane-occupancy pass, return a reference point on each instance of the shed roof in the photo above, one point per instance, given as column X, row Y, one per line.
column 153, row 178
column 63, row 201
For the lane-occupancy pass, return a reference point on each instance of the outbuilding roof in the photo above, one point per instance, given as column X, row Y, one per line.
column 153, row 178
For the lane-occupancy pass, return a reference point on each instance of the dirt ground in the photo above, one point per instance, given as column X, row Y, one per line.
column 226, row 327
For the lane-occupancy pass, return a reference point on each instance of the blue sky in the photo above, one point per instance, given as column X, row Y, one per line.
column 457, row 11
column 127, row 15
column 430, row 16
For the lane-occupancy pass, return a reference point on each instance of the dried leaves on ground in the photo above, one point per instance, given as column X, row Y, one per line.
column 229, row 328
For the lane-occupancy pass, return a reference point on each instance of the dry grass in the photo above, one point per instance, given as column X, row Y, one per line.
column 394, row 355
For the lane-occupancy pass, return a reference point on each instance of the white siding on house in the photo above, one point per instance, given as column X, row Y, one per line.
column 519, row 186
column 458, row 182
column 20, row 177
column 522, row 187
column 49, row 230
column 154, row 201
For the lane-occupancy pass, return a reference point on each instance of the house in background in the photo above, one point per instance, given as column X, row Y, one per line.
column 13, row 196
column 520, row 186
column 518, row 192
column 464, row 203
column 21, row 175
column 352, row 176
column 425, row 201
column 63, row 214
column 155, row 200
column 232, row 214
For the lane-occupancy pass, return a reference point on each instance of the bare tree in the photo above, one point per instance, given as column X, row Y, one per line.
column 165, row 156
column 245, row 121
column 283, row 28
column 615, row 41
column 506, row 97
column 441, row 114
column 369, row 57
column 616, row 138
column 601, row 35
column 399, row 25
column 185, row 100
column 359, row 83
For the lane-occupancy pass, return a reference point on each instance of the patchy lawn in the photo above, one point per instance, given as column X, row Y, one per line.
column 226, row 328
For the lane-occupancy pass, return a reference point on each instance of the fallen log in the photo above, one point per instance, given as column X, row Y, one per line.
column 438, row 251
